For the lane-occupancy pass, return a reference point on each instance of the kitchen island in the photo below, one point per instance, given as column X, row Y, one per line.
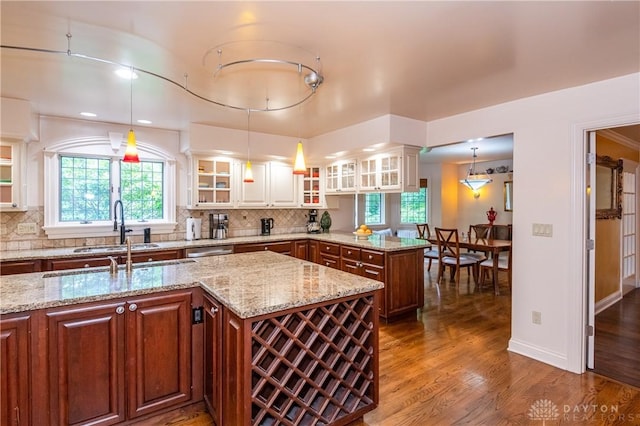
column 284, row 340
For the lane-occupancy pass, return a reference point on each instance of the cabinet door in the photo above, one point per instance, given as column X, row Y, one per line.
column 212, row 357
column 254, row 194
column 311, row 191
column 314, row 251
column 213, row 182
column 12, row 177
column 332, row 178
column 348, row 176
column 283, row 185
column 404, row 287
column 87, row 364
column 368, row 175
column 15, row 407
column 158, row 348
column 389, row 172
column 300, row 250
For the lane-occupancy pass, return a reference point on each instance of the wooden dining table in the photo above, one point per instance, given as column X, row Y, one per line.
column 495, row 247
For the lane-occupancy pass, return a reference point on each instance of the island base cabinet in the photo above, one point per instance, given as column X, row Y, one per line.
column 15, row 406
column 317, row 364
column 404, row 285
column 212, row 343
column 116, row 361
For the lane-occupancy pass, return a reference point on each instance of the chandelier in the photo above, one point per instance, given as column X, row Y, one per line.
column 473, row 181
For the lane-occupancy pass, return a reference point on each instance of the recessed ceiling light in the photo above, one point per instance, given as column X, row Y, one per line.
column 144, row 121
column 330, row 157
column 126, row 73
column 368, row 149
column 88, row 114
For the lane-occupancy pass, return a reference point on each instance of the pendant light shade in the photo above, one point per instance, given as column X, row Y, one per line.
column 472, row 181
column 131, row 153
column 248, row 173
column 299, row 167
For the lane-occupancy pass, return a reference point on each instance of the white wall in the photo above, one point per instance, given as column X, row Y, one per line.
column 548, row 159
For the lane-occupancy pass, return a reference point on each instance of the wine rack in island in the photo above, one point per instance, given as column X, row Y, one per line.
column 317, row 365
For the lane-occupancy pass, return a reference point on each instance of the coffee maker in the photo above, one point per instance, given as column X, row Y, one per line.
column 266, row 225
column 218, row 226
column 313, row 226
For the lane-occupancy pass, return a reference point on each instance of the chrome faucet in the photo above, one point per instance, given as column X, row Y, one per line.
column 123, row 230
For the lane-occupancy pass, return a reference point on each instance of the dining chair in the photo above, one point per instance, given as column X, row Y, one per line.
column 504, row 264
column 481, row 231
column 501, row 232
column 450, row 255
column 424, row 234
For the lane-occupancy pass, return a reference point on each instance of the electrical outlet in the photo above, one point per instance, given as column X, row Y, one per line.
column 536, row 317
column 27, row 228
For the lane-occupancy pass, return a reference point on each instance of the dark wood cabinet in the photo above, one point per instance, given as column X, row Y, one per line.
column 15, row 355
column 282, row 247
column 87, row 364
column 212, row 346
column 118, row 360
column 75, row 262
column 105, row 260
column 10, row 267
column 153, row 256
column 404, row 284
column 329, row 254
column 301, row 249
column 313, row 253
column 364, row 262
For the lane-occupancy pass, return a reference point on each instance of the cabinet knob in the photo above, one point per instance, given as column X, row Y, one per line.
column 348, row 251
column 214, row 309
column 120, row 310
column 150, row 259
column 86, row 265
column 133, row 307
column 266, row 248
column 326, row 263
column 14, row 205
column 370, row 257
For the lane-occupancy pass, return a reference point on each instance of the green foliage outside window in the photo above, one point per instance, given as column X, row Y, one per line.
column 84, row 189
column 373, row 209
column 141, row 190
column 413, row 206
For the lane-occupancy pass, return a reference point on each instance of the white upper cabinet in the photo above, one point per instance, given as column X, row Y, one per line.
column 212, row 182
column 274, row 185
column 391, row 171
column 311, row 188
column 340, row 177
column 13, row 194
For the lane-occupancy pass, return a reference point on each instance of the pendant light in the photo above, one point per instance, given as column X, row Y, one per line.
column 472, row 182
column 248, row 173
column 299, row 167
column 131, row 153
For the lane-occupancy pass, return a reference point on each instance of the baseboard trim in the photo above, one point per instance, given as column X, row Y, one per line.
column 543, row 355
column 610, row 300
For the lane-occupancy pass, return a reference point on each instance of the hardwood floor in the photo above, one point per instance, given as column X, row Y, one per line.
column 617, row 342
column 451, row 366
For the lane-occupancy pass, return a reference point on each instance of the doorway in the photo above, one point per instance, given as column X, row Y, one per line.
column 614, row 299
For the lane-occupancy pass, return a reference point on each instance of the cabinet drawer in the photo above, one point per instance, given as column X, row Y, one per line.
column 153, row 256
column 329, row 248
column 283, row 247
column 59, row 264
column 330, row 261
column 348, row 252
column 373, row 272
column 372, row 257
column 19, row 266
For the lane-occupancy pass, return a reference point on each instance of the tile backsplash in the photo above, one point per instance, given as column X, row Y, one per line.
column 241, row 223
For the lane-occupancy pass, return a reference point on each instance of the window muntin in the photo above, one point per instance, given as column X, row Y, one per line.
column 85, row 185
column 374, row 208
column 413, row 206
column 141, row 190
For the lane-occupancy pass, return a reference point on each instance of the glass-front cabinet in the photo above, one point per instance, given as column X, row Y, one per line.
column 212, row 182
column 12, row 177
column 341, row 177
column 381, row 172
column 312, row 188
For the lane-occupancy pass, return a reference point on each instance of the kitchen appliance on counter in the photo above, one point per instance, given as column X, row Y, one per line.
column 313, row 226
column 194, row 228
column 266, row 225
column 218, row 226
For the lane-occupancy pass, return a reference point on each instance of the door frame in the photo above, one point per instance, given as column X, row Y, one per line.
column 577, row 307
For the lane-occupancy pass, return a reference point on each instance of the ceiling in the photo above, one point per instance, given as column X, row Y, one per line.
column 416, row 59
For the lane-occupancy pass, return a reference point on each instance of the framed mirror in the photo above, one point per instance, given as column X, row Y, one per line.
column 608, row 188
column 508, row 196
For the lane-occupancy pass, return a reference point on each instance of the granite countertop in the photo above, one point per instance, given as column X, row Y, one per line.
column 249, row 284
column 377, row 242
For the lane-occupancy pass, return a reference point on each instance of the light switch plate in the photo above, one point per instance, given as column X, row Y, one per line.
column 542, row 230
column 27, row 228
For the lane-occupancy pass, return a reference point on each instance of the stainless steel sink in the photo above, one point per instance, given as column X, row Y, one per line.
column 102, row 249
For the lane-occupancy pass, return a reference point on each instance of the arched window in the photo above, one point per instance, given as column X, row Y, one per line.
column 84, row 179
